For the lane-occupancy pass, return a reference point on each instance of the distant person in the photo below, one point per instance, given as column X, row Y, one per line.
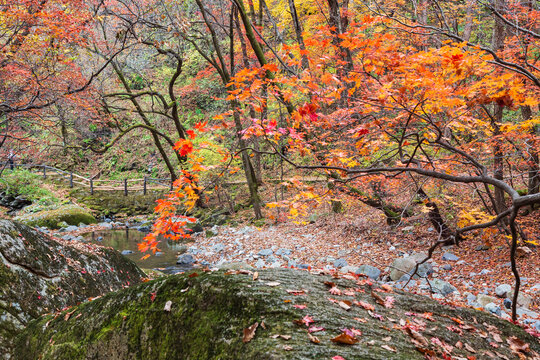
column 11, row 158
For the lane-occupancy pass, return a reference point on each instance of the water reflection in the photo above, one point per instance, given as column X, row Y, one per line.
column 126, row 242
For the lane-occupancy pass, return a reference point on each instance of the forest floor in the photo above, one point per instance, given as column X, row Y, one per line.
column 363, row 238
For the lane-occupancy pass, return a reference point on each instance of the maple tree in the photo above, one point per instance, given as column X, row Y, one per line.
column 378, row 108
column 40, row 42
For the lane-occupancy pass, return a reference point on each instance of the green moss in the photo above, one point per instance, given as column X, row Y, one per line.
column 27, row 184
column 70, row 214
column 114, row 202
column 210, row 311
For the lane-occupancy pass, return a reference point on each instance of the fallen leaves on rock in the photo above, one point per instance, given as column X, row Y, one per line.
column 345, row 338
column 313, row 339
column 364, row 304
column 344, row 305
column 313, row 329
column 249, row 332
column 389, row 348
column 518, row 346
column 417, row 338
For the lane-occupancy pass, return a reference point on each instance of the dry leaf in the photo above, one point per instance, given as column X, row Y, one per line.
column 249, row 332
column 68, row 315
column 287, row 347
column 315, row 329
column 343, row 305
column 446, row 347
column 459, row 345
column 497, row 337
column 365, row 305
column 313, row 339
column 418, row 339
column 517, row 345
column 469, row 348
column 344, row 338
column 334, row 291
column 389, row 302
column 378, row 299
column 296, row 292
column 375, row 315
column 168, row 305
column 306, row 320
column 255, row 275
column 389, row 348
column 300, row 306
column 273, row 283
column 501, row 356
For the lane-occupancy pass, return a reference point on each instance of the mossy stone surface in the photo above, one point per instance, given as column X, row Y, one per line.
column 209, row 312
column 115, row 203
column 69, row 214
column 39, row 274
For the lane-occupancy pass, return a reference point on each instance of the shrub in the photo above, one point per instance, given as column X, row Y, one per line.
column 27, row 184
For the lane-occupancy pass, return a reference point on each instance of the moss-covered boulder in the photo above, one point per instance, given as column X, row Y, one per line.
column 207, row 317
column 40, row 275
column 70, row 214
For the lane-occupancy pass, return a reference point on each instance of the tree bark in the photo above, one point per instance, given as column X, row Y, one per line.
column 467, row 31
column 533, row 186
column 338, row 25
column 497, row 44
column 298, row 31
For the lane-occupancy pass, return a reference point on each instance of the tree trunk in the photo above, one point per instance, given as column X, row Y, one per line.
column 298, row 31
column 467, row 31
column 533, row 158
column 249, row 171
column 497, row 44
column 338, row 25
column 143, row 116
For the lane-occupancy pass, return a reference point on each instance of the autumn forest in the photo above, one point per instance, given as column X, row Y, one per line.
column 287, row 179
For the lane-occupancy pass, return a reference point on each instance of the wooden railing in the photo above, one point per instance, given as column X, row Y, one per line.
column 145, row 184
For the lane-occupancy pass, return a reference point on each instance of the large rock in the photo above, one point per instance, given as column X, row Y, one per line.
column 400, row 267
column 442, row 287
column 503, row 290
column 523, row 300
column 484, row 299
column 370, row 271
column 40, row 275
column 69, row 214
column 206, row 317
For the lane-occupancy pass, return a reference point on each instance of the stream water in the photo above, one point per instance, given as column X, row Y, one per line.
column 125, row 241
